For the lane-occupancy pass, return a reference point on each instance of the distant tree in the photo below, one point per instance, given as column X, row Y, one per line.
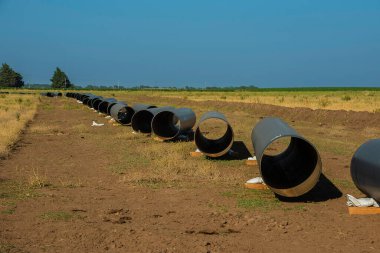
column 60, row 79
column 10, row 78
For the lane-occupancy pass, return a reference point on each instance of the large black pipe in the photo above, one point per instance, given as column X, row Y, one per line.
column 123, row 113
column 293, row 172
column 142, row 120
column 214, row 147
column 92, row 100
column 365, row 168
column 103, row 105
column 168, row 124
column 51, row 94
column 95, row 102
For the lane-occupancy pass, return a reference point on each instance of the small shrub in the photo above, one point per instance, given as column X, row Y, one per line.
column 324, row 102
column 19, row 100
column 223, row 97
column 38, row 181
column 346, row 98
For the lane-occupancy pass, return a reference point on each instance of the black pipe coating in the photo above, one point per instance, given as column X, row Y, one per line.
column 170, row 123
column 292, row 172
column 211, row 147
column 142, row 120
column 365, row 168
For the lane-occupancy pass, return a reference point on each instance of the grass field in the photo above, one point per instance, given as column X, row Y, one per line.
column 340, row 99
column 330, row 100
column 110, row 188
column 16, row 111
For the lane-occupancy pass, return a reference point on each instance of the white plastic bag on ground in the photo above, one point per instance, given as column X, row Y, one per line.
column 361, row 202
column 97, row 124
column 256, row 180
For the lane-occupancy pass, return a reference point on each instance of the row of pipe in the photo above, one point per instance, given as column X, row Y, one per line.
column 167, row 123
column 51, row 94
column 290, row 173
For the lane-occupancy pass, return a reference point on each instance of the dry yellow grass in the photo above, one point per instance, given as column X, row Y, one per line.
column 16, row 111
column 359, row 100
column 332, row 100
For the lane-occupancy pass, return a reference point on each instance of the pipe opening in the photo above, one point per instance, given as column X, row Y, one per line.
column 166, row 125
column 141, row 121
column 124, row 115
column 214, row 137
column 103, row 107
column 285, row 166
column 96, row 104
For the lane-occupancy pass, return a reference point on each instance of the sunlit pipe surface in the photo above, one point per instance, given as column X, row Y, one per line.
column 293, row 172
column 142, row 120
column 168, row 124
column 211, row 147
column 365, row 168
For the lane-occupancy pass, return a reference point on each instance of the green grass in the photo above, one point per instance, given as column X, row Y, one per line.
column 10, row 189
column 6, row 247
column 57, row 216
column 47, row 107
column 72, row 106
column 254, row 199
column 344, row 183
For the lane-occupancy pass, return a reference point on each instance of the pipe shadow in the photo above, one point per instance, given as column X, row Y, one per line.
column 183, row 137
column 238, row 151
column 324, row 190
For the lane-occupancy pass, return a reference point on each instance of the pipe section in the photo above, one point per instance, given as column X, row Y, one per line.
column 123, row 113
column 293, row 172
column 168, row 124
column 365, row 168
column 214, row 147
column 102, row 107
column 142, row 120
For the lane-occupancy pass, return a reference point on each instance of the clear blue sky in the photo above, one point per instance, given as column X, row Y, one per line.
column 222, row 42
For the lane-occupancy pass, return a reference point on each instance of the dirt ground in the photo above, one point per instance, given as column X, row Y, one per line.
column 70, row 187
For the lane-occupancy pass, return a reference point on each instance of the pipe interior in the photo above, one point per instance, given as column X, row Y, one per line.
column 103, row 107
column 96, row 104
column 125, row 114
column 291, row 166
column 142, row 121
column 214, row 143
column 166, row 125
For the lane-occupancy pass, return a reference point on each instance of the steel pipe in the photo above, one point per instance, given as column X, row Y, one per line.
column 123, row 113
column 293, row 172
column 142, row 120
column 365, row 168
column 103, row 105
column 168, row 124
column 214, row 147
column 95, row 102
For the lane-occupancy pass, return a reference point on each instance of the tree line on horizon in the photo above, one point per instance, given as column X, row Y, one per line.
column 12, row 79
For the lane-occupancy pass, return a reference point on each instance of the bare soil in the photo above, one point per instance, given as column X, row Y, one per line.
column 79, row 204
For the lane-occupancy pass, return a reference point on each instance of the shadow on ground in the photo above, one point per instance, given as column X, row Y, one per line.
column 323, row 191
column 239, row 151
